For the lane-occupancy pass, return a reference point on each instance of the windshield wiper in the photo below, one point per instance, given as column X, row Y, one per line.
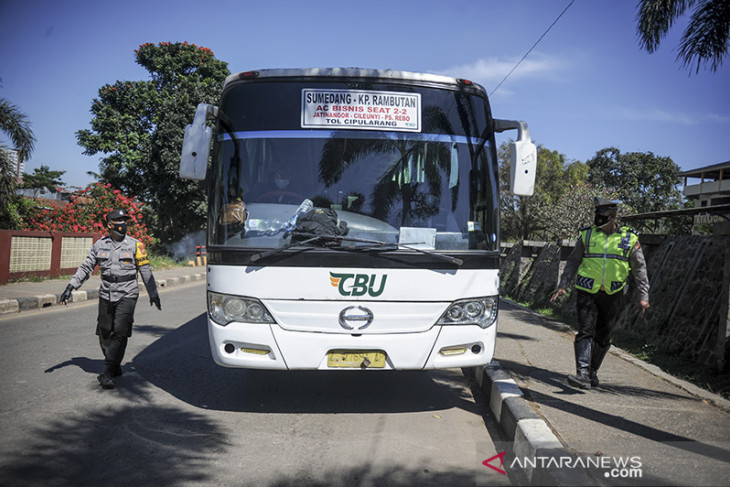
column 268, row 253
column 379, row 245
column 376, row 245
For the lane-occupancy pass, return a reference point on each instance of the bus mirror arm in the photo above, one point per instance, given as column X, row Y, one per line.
column 523, row 157
column 196, row 143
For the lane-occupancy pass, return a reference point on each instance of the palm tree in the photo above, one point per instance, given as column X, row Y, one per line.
column 15, row 124
column 705, row 40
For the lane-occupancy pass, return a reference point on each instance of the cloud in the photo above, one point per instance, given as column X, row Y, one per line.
column 664, row 116
column 491, row 71
column 656, row 115
column 717, row 118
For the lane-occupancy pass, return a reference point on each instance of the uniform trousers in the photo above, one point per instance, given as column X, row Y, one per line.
column 114, row 327
column 597, row 315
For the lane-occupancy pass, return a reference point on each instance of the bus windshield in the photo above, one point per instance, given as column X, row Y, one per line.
column 433, row 187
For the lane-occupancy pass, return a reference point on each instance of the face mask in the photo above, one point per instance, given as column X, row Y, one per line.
column 281, row 183
column 601, row 220
column 120, row 228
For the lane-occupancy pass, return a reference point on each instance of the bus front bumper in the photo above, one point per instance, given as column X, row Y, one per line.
column 262, row 346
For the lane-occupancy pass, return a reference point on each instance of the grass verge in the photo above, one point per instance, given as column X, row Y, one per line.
column 163, row 262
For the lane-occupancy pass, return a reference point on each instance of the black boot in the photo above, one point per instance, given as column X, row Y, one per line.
column 582, row 378
column 597, row 356
column 107, row 378
column 113, row 346
column 117, row 371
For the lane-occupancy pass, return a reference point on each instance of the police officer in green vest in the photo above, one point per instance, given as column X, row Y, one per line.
column 604, row 256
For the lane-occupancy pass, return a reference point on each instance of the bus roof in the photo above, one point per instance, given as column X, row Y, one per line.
column 386, row 74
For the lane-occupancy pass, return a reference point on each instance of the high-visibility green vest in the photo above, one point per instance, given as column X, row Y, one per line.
column 605, row 265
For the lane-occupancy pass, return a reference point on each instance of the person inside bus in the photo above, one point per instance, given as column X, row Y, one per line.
column 233, row 212
column 277, row 188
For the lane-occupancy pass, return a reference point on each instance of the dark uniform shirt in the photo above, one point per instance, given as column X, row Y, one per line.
column 118, row 263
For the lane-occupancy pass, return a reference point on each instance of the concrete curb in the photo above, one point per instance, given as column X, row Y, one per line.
column 528, row 433
column 17, row 305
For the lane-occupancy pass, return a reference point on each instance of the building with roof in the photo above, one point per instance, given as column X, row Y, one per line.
column 710, row 185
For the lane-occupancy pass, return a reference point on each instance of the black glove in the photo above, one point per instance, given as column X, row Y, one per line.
column 156, row 302
column 66, row 294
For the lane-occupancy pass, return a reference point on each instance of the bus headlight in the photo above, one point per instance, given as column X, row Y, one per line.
column 224, row 308
column 474, row 311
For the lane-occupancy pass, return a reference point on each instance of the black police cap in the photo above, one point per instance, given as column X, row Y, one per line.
column 117, row 215
column 603, row 202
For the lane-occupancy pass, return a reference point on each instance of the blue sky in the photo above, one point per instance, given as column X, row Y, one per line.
column 585, row 86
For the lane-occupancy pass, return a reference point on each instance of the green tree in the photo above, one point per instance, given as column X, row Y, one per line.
column 643, row 181
column 705, row 40
column 139, row 126
column 16, row 126
column 526, row 217
column 7, row 183
column 575, row 209
column 43, row 177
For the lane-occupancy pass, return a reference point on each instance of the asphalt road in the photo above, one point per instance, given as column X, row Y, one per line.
column 177, row 419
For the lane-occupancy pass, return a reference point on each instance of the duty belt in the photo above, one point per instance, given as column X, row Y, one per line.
column 129, row 277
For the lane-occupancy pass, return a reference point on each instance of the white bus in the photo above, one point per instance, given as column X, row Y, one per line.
column 353, row 219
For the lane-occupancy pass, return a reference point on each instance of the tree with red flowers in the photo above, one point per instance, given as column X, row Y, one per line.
column 139, row 127
column 86, row 212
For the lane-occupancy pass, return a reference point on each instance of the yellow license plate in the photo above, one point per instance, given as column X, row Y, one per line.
column 357, row 360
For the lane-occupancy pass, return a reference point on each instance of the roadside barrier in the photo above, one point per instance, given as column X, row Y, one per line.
column 201, row 257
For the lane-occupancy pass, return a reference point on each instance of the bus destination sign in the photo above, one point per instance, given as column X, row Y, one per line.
column 364, row 110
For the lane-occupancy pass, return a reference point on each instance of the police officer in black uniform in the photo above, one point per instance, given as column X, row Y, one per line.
column 119, row 257
column 604, row 257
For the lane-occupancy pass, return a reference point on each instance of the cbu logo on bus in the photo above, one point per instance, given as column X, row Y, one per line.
column 358, row 284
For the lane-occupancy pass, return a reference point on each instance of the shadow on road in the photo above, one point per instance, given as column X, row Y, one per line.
column 133, row 445
column 180, row 363
column 162, row 446
column 394, row 476
column 528, row 373
column 514, row 336
column 633, row 426
column 90, row 366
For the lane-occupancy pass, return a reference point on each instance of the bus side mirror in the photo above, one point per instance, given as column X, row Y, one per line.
column 523, row 158
column 523, row 163
column 196, row 144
